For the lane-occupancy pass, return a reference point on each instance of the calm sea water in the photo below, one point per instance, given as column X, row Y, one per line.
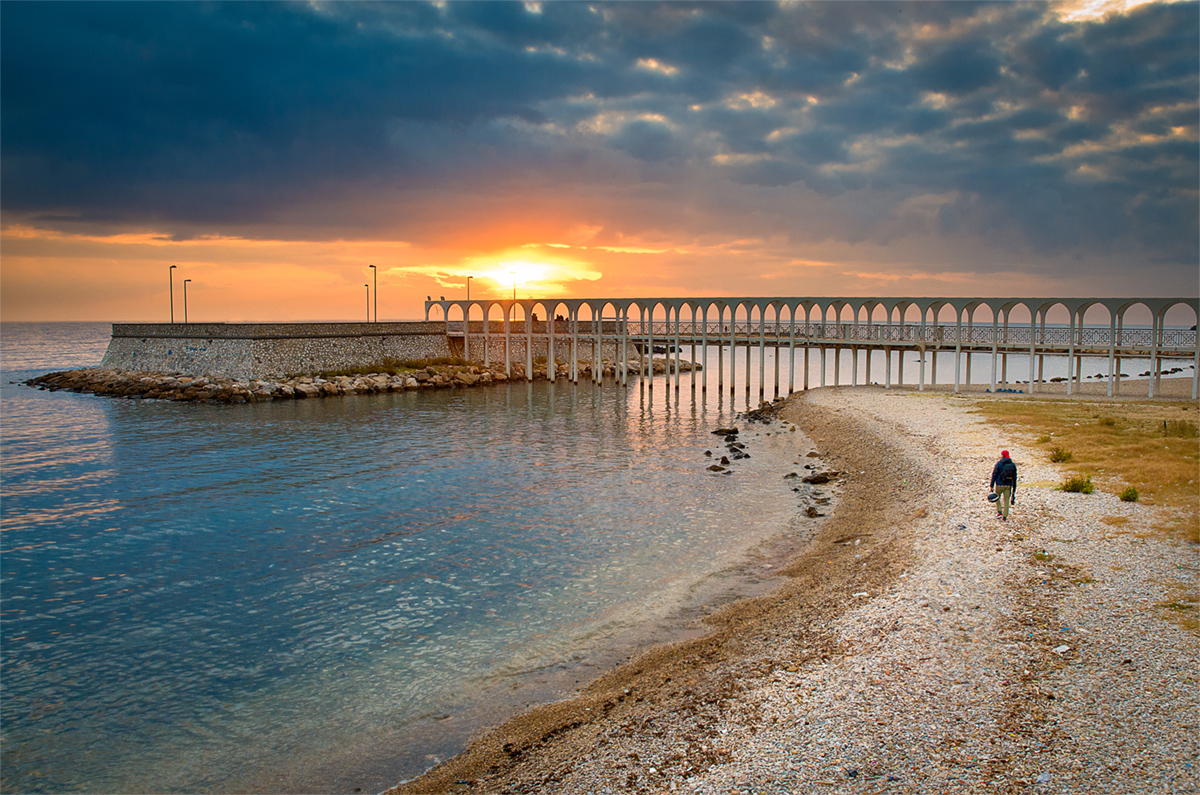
column 326, row 595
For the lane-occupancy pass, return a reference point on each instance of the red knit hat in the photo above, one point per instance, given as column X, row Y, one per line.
column 1004, row 454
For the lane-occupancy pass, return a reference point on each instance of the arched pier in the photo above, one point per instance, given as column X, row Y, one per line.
column 618, row 329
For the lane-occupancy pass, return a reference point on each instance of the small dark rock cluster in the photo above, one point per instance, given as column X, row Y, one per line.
column 737, row 450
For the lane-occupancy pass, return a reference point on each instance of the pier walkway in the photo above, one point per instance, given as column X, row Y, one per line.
column 830, row 327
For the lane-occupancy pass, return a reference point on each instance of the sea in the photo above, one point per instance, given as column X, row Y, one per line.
column 334, row 595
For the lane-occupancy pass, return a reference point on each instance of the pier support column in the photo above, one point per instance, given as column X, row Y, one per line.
column 1196, row 367
column 721, row 349
column 508, row 341
column 921, row 353
column 1153, row 354
column 528, row 344
column 551, row 361
column 995, row 345
column 822, row 365
column 791, row 351
column 1032, row 351
column 704, row 348
column 624, row 319
column 1071, row 354
column 762, row 353
column 1112, row 350
column 650, row 346
column 598, row 351
column 575, row 346
column 749, row 372
column 693, row 338
column 677, row 374
column 775, row 352
column 957, row 350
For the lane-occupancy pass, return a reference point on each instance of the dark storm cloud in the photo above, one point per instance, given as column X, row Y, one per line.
column 1037, row 133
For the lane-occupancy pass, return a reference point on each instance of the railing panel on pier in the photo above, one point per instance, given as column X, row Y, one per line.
column 677, row 324
column 945, row 334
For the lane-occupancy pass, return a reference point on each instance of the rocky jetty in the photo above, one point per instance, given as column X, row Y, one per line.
column 208, row 389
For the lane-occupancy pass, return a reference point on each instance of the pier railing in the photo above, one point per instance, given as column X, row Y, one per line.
column 911, row 333
column 628, row 328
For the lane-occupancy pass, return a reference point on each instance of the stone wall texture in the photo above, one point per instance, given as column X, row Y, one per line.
column 268, row 350
column 277, row 350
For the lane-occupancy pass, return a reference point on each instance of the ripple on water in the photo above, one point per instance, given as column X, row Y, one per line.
column 196, row 594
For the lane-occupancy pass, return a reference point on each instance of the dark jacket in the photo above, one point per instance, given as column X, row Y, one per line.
column 1005, row 474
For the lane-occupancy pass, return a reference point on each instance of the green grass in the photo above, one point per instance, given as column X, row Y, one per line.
column 1130, row 494
column 1059, row 455
column 1078, row 484
column 1181, row 429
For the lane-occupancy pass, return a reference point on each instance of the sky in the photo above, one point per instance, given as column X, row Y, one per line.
column 273, row 151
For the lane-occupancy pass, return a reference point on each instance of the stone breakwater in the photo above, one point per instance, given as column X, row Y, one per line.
column 219, row 389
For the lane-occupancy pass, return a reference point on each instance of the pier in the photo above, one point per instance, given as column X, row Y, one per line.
column 590, row 328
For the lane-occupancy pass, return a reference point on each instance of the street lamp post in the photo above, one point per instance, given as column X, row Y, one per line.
column 469, row 278
column 375, row 279
column 514, row 275
column 185, row 281
column 368, row 302
column 171, row 277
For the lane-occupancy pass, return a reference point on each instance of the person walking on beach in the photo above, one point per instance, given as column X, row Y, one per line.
column 1004, row 483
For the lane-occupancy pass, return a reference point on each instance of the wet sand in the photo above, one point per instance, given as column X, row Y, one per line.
column 916, row 644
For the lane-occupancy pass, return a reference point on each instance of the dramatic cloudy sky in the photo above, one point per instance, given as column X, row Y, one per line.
column 272, row 151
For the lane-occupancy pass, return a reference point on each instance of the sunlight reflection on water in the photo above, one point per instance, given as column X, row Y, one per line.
column 196, row 597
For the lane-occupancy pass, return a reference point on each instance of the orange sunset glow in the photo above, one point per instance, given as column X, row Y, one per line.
column 612, row 150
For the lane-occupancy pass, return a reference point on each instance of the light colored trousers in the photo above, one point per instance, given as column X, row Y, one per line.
column 1005, row 500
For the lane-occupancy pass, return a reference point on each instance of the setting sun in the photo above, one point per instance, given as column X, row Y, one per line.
column 519, row 272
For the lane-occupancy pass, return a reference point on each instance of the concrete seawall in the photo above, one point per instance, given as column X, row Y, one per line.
column 268, row 350
column 277, row 350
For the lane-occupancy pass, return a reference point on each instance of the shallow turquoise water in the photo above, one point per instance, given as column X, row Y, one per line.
column 329, row 594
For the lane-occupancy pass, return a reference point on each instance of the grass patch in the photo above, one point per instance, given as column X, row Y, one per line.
column 1134, row 451
column 1130, row 494
column 1115, row 521
column 1181, row 429
column 1060, row 456
column 1084, row 580
column 1078, row 484
column 1181, row 607
column 1042, row 555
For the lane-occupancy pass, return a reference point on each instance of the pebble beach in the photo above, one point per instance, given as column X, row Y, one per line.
column 916, row 645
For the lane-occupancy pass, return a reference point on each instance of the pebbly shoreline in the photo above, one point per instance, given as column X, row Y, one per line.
column 214, row 389
column 916, row 645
